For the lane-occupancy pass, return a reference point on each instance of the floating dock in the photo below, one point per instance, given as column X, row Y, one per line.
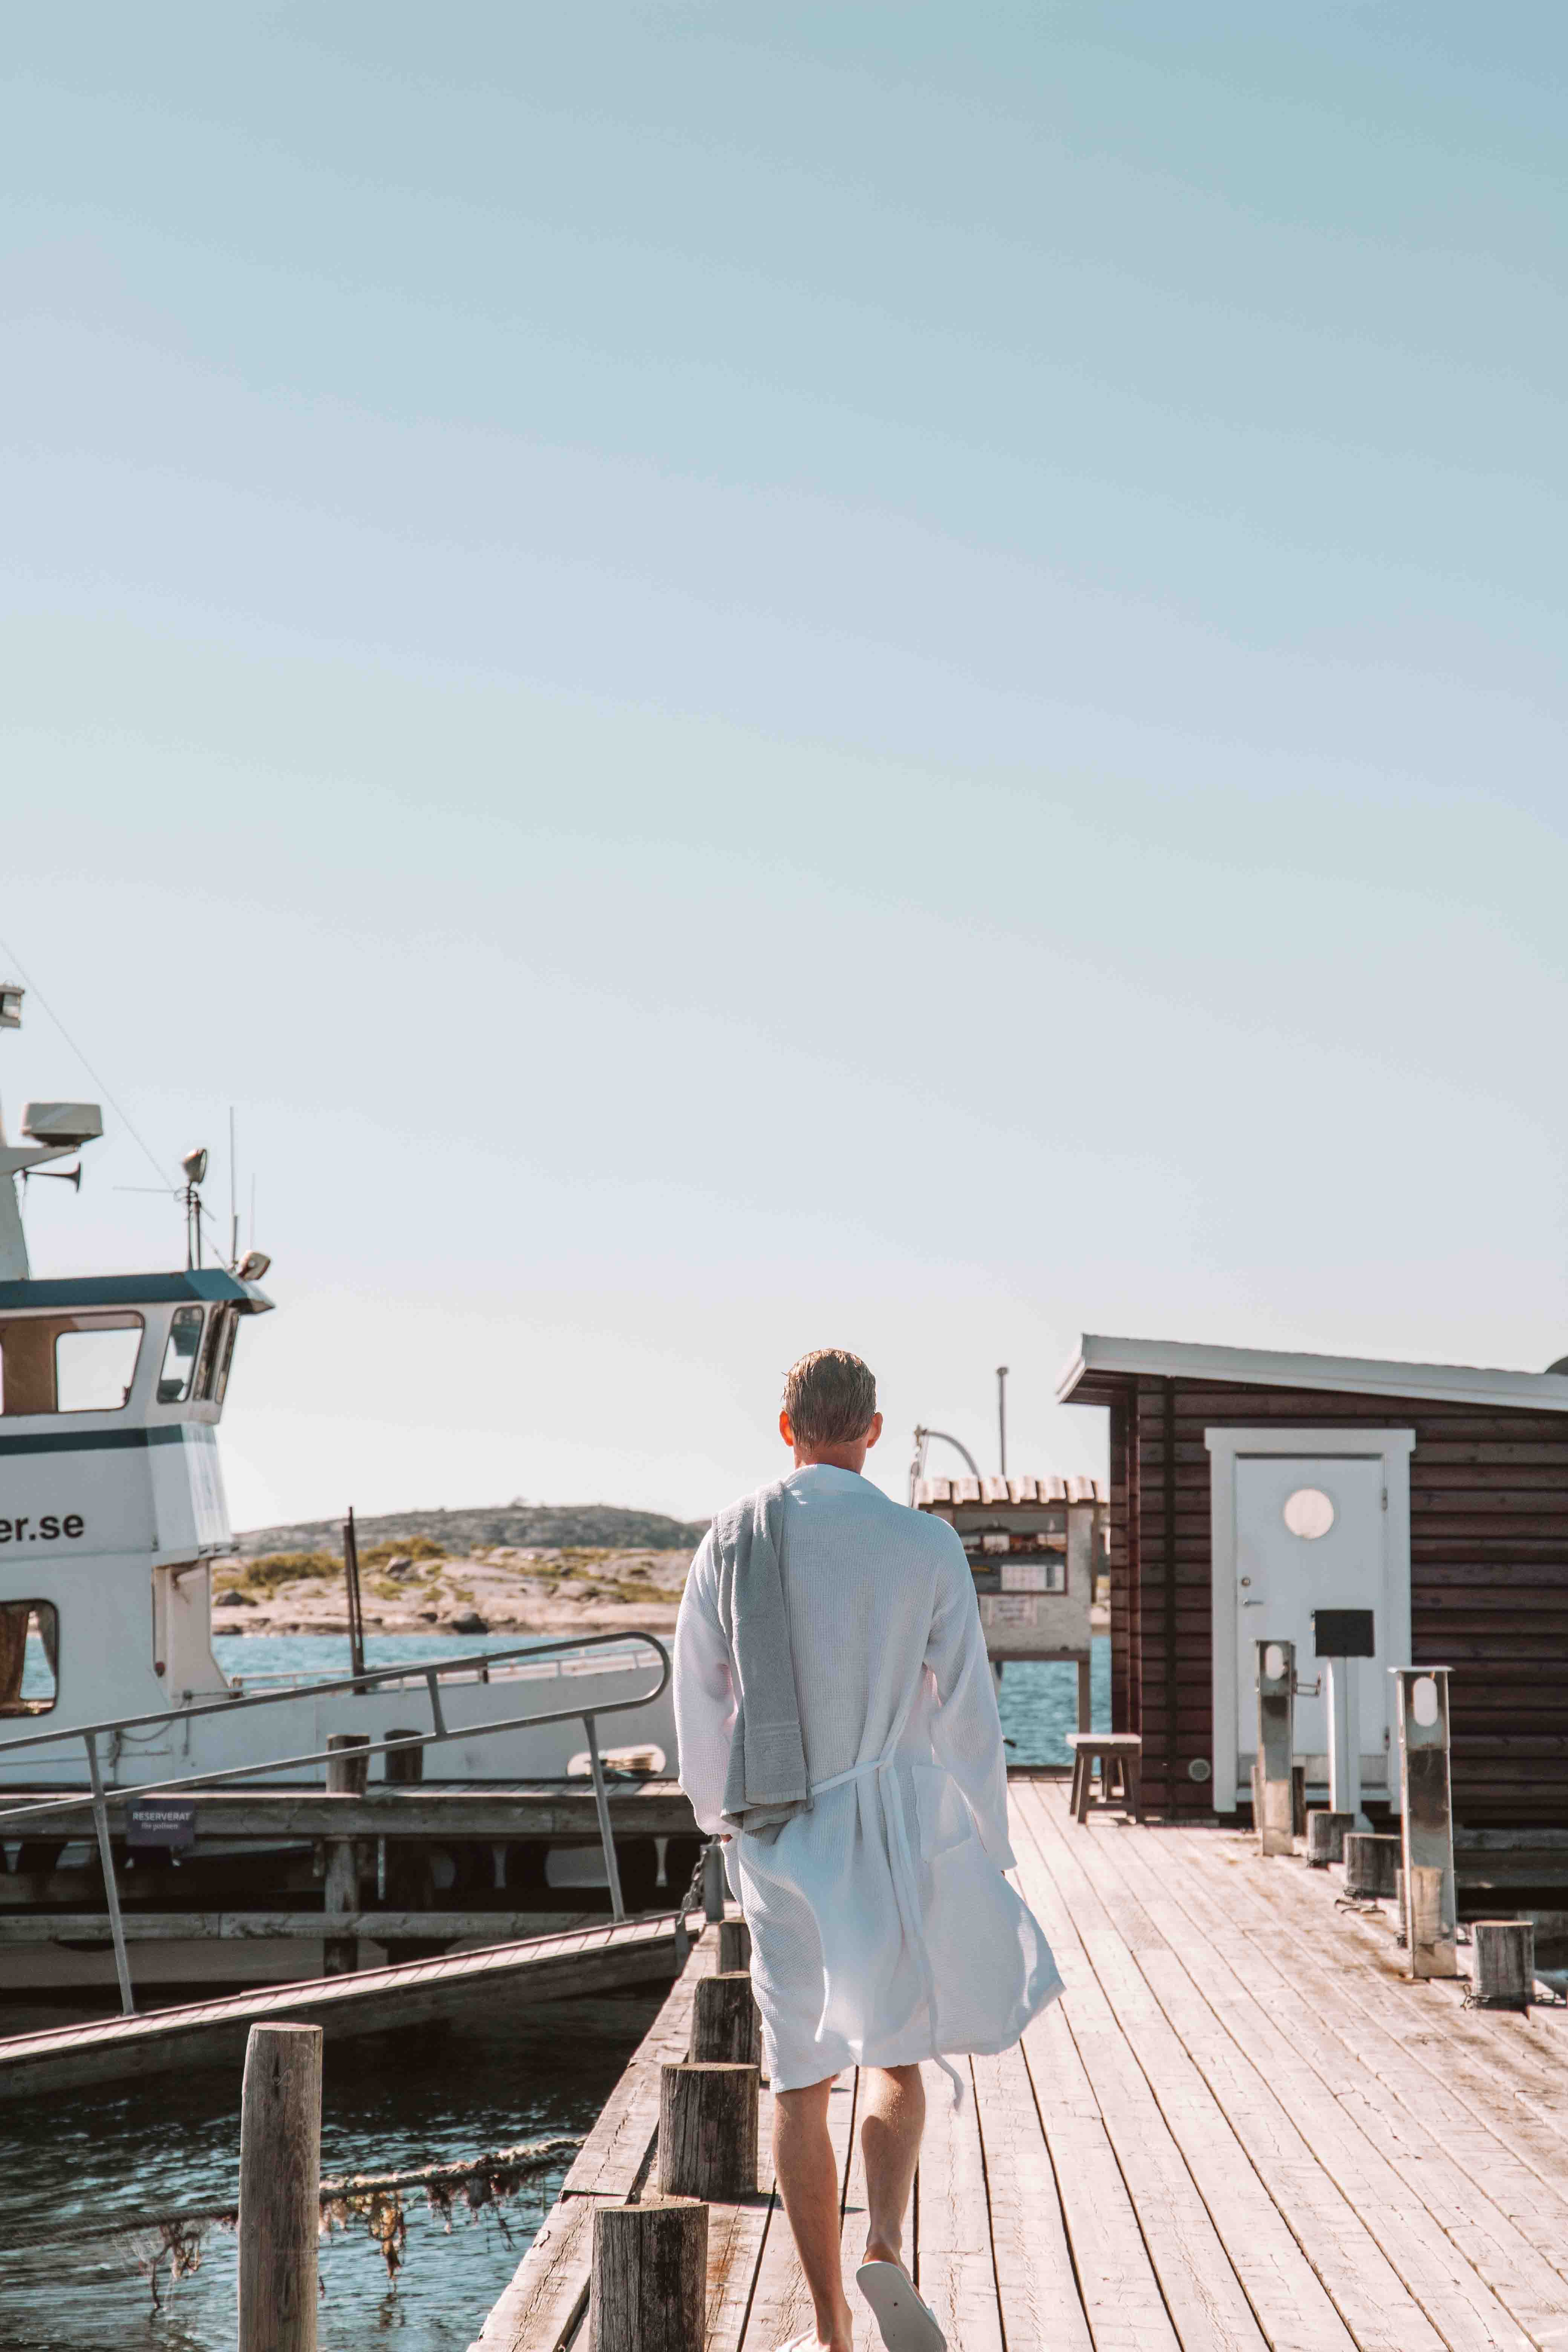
column 1242, row 2129
column 371, row 2001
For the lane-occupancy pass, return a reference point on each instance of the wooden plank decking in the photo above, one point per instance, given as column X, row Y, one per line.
column 1239, row 2128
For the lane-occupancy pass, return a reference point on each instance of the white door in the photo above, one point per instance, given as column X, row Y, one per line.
column 1310, row 1534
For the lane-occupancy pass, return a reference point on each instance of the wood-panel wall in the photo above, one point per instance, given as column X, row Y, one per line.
column 1488, row 1516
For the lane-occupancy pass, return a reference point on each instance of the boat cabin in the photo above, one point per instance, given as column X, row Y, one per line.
column 1250, row 1487
column 112, row 1500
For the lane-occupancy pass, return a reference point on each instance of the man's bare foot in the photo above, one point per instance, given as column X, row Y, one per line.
column 878, row 2250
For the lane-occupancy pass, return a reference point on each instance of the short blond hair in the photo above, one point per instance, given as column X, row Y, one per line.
column 830, row 1397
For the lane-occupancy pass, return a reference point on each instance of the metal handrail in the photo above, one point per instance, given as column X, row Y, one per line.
column 99, row 1798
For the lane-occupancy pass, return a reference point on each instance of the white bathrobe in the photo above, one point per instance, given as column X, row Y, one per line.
column 882, row 1929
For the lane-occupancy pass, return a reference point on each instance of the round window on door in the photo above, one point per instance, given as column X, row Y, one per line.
column 1309, row 1513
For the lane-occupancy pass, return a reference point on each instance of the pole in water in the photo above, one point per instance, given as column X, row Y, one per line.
column 350, row 1579
column 280, row 2188
column 1001, row 1414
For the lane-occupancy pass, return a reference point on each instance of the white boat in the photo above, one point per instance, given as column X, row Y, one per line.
column 112, row 1511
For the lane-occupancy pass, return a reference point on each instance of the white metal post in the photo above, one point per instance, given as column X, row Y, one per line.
column 1426, row 1820
column 602, row 1802
column 1344, row 1741
column 106, row 1856
column 1275, row 1734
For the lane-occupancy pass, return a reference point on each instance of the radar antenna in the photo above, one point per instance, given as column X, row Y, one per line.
column 55, row 1130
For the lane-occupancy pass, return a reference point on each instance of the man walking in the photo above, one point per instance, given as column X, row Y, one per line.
column 837, row 1723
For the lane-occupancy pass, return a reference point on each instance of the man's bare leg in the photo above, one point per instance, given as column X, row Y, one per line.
column 808, row 2175
column 890, row 2140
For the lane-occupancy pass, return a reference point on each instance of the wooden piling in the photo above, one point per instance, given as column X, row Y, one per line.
column 1505, row 1962
column 1369, row 1864
column 713, row 1881
column 708, row 2131
column 726, row 2029
column 348, row 1775
column 648, row 2280
column 280, row 2181
column 405, row 1764
column 1326, row 1838
column 734, row 1946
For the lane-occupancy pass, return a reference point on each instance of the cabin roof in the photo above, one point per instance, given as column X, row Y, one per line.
column 207, row 1284
column 1101, row 1362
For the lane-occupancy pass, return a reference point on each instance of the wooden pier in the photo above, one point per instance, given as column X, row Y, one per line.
column 1242, row 2129
column 372, row 2001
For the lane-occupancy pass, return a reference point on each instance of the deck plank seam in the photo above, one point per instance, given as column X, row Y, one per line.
column 1380, row 2221
column 1504, row 2231
column 1217, row 2104
column 1177, row 2140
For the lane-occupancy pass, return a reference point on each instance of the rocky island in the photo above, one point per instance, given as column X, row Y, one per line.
column 516, row 1568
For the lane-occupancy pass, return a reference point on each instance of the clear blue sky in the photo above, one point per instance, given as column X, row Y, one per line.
column 764, row 676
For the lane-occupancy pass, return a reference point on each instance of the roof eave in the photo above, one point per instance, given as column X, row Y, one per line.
column 1103, row 1361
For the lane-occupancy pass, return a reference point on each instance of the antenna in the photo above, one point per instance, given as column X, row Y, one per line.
column 54, row 1131
column 195, row 1164
column 233, row 1196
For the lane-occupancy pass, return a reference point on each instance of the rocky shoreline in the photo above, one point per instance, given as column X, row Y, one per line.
column 505, row 1589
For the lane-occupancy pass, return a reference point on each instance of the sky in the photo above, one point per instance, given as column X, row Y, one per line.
column 757, row 678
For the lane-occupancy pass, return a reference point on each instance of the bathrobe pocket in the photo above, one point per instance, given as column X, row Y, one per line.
column 990, row 1963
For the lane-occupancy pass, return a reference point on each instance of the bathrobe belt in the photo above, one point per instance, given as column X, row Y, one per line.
column 906, row 1885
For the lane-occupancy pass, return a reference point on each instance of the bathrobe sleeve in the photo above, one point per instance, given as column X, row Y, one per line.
column 966, row 1730
column 704, row 1693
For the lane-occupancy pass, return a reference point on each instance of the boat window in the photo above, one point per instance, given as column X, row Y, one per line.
column 67, row 1363
column 29, row 1656
column 217, row 1355
column 180, row 1356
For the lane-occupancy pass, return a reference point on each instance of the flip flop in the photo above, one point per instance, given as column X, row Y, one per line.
column 908, row 2325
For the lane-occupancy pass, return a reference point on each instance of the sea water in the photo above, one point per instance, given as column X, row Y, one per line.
column 75, row 2172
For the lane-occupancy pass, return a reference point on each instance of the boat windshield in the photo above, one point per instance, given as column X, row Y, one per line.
column 67, row 1363
column 180, row 1356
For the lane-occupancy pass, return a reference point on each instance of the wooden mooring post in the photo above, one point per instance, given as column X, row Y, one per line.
column 726, row 2028
column 734, row 1946
column 279, row 2184
column 1326, row 1838
column 713, row 1881
column 1369, row 1864
column 1427, row 1821
column 348, row 1775
column 708, row 2130
column 1505, row 1962
column 647, row 2290
column 405, row 1760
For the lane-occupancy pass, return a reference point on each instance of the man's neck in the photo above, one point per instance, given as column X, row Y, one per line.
column 831, row 1458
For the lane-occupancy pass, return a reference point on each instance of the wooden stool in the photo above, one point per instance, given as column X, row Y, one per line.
column 1121, row 1759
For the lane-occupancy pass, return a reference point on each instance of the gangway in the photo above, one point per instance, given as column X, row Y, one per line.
column 430, row 1672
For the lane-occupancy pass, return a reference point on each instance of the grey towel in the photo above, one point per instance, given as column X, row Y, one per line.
column 767, row 1783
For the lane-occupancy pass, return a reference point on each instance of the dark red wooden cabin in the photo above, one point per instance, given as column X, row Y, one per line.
column 1247, row 1487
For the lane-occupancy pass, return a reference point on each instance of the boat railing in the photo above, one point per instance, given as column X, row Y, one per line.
column 494, row 1666
column 569, row 1656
